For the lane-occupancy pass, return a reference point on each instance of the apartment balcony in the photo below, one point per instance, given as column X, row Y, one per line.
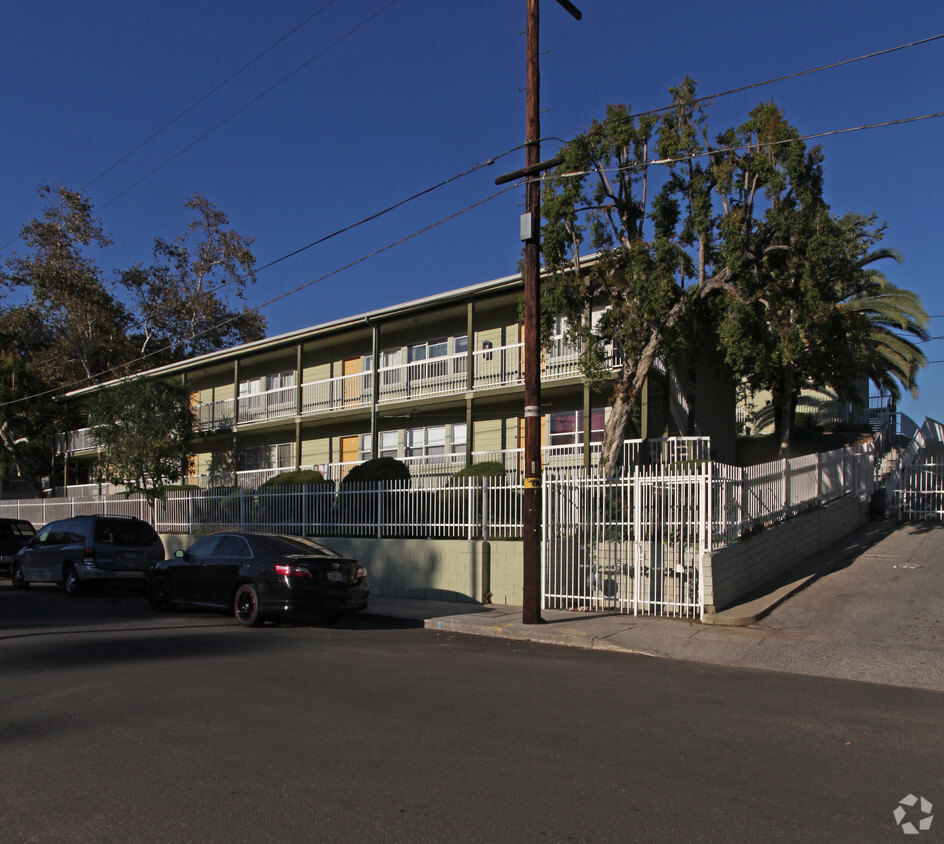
column 75, row 442
column 493, row 368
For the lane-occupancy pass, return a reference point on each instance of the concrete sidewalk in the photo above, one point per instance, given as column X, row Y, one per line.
column 731, row 637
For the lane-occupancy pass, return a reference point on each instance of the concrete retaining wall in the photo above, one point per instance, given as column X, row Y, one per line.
column 433, row 569
column 735, row 571
column 466, row 570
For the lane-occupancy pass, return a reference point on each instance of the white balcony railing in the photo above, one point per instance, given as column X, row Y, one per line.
column 441, row 376
column 212, row 416
column 492, row 368
column 72, row 442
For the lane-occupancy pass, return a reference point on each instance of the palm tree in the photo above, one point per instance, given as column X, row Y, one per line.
column 895, row 320
column 893, row 317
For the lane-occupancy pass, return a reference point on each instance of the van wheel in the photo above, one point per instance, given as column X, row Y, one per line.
column 71, row 581
column 19, row 581
column 246, row 606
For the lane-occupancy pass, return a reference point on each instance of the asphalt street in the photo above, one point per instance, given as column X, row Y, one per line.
column 119, row 725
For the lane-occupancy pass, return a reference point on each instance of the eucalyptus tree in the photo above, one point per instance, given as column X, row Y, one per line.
column 188, row 300
column 85, row 321
column 737, row 234
column 61, row 326
column 597, row 201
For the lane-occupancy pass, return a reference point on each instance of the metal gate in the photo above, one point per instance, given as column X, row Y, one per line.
column 631, row 544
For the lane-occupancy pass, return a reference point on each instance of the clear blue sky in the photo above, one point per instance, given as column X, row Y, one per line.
column 420, row 91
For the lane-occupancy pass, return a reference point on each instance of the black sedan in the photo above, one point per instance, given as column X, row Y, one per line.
column 259, row 576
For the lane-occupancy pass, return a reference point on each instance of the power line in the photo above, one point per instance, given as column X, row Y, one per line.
column 795, row 75
column 472, row 169
column 450, row 217
column 739, row 147
column 207, row 95
column 233, row 114
column 251, row 102
column 94, row 378
column 376, row 215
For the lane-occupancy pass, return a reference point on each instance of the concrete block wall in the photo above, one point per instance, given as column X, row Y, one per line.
column 507, row 571
column 432, row 569
column 438, row 569
column 735, row 571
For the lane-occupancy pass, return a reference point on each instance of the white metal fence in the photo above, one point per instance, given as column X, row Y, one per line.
column 920, row 494
column 630, row 544
column 751, row 497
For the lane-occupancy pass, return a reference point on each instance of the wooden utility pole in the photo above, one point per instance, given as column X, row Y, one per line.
column 530, row 233
column 531, row 505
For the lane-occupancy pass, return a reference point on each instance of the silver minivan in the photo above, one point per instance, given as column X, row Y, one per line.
column 86, row 549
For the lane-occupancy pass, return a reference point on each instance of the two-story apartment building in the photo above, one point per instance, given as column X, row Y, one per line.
column 436, row 382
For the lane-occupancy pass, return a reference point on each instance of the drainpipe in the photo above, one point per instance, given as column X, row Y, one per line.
column 375, row 388
column 235, row 418
column 298, row 406
column 469, row 379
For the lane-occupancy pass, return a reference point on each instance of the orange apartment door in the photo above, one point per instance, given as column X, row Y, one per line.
column 350, row 449
column 352, row 386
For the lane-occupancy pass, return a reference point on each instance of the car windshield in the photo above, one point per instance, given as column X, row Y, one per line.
column 120, row 532
column 295, row 546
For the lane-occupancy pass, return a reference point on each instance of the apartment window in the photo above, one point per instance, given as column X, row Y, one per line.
column 567, row 428
column 278, row 456
column 387, row 445
column 435, row 440
column 438, row 348
column 275, row 381
column 425, row 442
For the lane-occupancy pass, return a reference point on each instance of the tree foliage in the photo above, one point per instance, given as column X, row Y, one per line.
column 181, row 298
column 145, row 427
column 65, row 325
column 737, row 236
column 82, row 326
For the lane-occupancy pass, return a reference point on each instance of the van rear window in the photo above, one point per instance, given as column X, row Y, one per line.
column 118, row 532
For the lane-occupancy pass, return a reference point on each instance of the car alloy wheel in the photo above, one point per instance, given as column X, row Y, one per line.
column 157, row 596
column 246, row 606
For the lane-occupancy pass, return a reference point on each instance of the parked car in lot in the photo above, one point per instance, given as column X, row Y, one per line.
column 260, row 576
column 14, row 534
column 85, row 549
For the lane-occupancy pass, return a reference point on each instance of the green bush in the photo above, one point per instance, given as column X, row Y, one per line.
column 487, row 469
column 367, row 504
column 298, row 477
column 281, row 508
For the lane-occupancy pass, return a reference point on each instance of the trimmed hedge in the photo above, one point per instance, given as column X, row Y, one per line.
column 298, row 477
column 486, row 469
column 378, row 469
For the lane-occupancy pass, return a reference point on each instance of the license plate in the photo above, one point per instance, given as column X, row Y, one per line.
column 335, row 576
column 131, row 555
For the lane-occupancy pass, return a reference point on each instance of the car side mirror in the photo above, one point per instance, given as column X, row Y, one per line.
column 180, row 553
